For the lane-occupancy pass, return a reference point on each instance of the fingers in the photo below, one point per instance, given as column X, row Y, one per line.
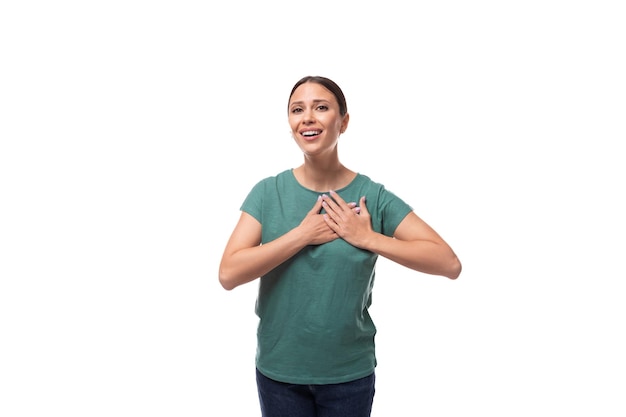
column 362, row 207
column 339, row 206
column 337, row 198
column 317, row 207
column 335, row 203
column 333, row 209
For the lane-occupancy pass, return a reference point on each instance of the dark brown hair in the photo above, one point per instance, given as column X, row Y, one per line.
column 327, row 83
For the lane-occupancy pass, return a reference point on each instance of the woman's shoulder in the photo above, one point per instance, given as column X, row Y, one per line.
column 363, row 179
column 374, row 188
column 279, row 180
column 280, row 176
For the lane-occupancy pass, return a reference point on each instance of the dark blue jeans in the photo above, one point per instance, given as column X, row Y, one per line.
column 349, row 399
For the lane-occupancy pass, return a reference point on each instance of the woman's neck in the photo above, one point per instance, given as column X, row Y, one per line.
column 323, row 177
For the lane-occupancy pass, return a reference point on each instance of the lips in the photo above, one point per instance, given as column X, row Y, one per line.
column 309, row 134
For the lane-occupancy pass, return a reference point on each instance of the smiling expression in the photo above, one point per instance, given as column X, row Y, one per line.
column 315, row 119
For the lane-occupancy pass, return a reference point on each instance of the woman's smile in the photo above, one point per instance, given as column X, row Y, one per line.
column 310, row 134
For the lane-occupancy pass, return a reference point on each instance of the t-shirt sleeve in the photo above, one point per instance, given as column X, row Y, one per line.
column 253, row 203
column 394, row 210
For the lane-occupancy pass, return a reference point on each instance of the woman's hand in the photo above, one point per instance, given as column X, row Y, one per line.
column 350, row 222
column 315, row 227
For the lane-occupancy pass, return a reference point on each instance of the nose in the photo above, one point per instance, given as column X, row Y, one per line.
column 308, row 116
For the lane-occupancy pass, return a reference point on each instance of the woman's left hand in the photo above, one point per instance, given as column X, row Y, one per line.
column 353, row 224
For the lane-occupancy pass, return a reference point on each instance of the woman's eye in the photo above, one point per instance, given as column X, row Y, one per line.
column 296, row 110
column 322, row 108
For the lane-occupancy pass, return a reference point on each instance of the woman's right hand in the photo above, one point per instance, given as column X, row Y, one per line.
column 314, row 226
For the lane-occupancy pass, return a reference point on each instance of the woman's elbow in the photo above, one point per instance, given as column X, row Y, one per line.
column 231, row 278
column 227, row 286
column 225, row 280
column 454, row 269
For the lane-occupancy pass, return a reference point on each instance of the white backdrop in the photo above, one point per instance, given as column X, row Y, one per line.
column 132, row 130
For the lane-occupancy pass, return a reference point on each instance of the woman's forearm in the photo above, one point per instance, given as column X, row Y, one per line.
column 435, row 258
column 248, row 264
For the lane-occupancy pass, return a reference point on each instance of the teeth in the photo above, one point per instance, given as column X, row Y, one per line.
column 310, row 133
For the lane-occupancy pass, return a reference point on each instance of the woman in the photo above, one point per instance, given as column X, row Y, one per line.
column 313, row 235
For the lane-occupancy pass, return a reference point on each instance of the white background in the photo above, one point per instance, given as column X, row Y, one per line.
column 132, row 130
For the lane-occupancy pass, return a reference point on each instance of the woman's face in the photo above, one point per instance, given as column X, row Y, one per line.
column 314, row 118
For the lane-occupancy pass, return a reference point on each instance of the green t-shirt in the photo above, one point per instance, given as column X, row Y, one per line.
column 314, row 325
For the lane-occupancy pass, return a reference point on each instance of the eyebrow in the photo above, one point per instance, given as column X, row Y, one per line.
column 316, row 101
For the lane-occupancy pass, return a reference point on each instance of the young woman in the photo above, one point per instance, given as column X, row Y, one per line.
column 313, row 235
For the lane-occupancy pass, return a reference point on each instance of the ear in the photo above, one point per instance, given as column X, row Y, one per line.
column 344, row 122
